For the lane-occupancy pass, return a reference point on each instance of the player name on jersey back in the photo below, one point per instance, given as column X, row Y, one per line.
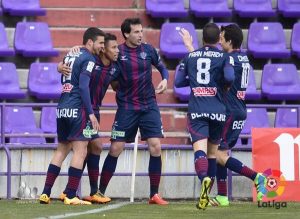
column 210, row 54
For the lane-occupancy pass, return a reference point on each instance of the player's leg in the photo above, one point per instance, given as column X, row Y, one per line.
column 151, row 130
column 81, row 132
column 237, row 166
column 124, row 130
column 221, row 172
column 199, row 132
column 93, row 158
column 75, row 172
column 212, row 163
column 232, row 131
column 59, row 156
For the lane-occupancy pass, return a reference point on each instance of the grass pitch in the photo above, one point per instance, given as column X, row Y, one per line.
column 185, row 210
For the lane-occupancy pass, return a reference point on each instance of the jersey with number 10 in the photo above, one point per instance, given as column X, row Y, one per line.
column 205, row 70
column 80, row 63
column 235, row 100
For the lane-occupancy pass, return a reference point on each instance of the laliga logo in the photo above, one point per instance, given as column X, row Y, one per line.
column 275, row 184
column 274, row 187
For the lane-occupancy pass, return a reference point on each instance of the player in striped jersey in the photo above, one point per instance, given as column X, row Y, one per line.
column 137, row 106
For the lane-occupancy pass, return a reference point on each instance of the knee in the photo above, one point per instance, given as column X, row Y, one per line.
column 155, row 148
column 80, row 152
column 116, row 148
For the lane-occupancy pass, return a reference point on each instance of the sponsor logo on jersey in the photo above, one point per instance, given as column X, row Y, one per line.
column 67, row 88
column 88, row 131
column 212, row 116
column 90, row 66
column 115, row 134
column 241, row 95
column 143, row 55
column 123, row 58
column 66, row 113
column 204, row 91
column 112, row 71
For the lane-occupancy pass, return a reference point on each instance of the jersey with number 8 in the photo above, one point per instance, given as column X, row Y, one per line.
column 205, row 69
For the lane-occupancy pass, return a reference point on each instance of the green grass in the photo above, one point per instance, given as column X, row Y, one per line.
column 185, row 210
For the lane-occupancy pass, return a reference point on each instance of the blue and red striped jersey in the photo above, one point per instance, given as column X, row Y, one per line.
column 136, row 91
column 101, row 77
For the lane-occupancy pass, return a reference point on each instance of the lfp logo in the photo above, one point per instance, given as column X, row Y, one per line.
column 274, row 187
column 275, row 183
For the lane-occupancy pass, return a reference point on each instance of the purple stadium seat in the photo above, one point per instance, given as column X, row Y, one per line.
column 171, row 44
column 210, row 8
column 267, row 40
column 256, row 118
column 44, row 81
column 286, row 118
column 254, row 8
column 289, row 8
column 23, row 7
column 33, row 39
column 48, row 119
column 182, row 93
column 252, row 93
column 280, row 82
column 166, row 8
column 295, row 41
column 9, row 82
column 4, row 49
column 21, row 120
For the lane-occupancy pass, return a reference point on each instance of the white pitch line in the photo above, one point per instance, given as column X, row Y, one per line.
column 106, row 208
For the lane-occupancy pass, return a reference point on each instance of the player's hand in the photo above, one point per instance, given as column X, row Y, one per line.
column 95, row 123
column 74, row 50
column 162, row 86
column 64, row 69
column 187, row 39
column 114, row 85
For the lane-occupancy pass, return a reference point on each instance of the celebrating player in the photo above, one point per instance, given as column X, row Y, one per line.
column 105, row 71
column 209, row 72
column 137, row 106
column 76, row 121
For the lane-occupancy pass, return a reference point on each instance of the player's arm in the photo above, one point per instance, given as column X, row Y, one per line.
column 181, row 79
column 187, row 39
column 156, row 61
column 84, row 81
column 114, row 83
column 228, row 70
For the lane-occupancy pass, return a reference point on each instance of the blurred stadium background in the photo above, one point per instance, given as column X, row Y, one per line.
column 33, row 39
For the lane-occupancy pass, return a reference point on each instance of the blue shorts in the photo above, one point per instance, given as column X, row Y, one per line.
column 127, row 123
column 206, row 125
column 232, row 130
column 74, row 125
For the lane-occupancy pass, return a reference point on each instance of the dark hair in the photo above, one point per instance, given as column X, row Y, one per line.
column 108, row 37
column 234, row 33
column 91, row 34
column 211, row 33
column 126, row 25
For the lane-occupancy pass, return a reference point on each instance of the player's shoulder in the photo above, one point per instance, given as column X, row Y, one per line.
column 147, row 46
column 86, row 55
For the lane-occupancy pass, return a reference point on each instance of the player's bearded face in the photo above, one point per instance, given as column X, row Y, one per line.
column 112, row 50
column 135, row 36
column 98, row 45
